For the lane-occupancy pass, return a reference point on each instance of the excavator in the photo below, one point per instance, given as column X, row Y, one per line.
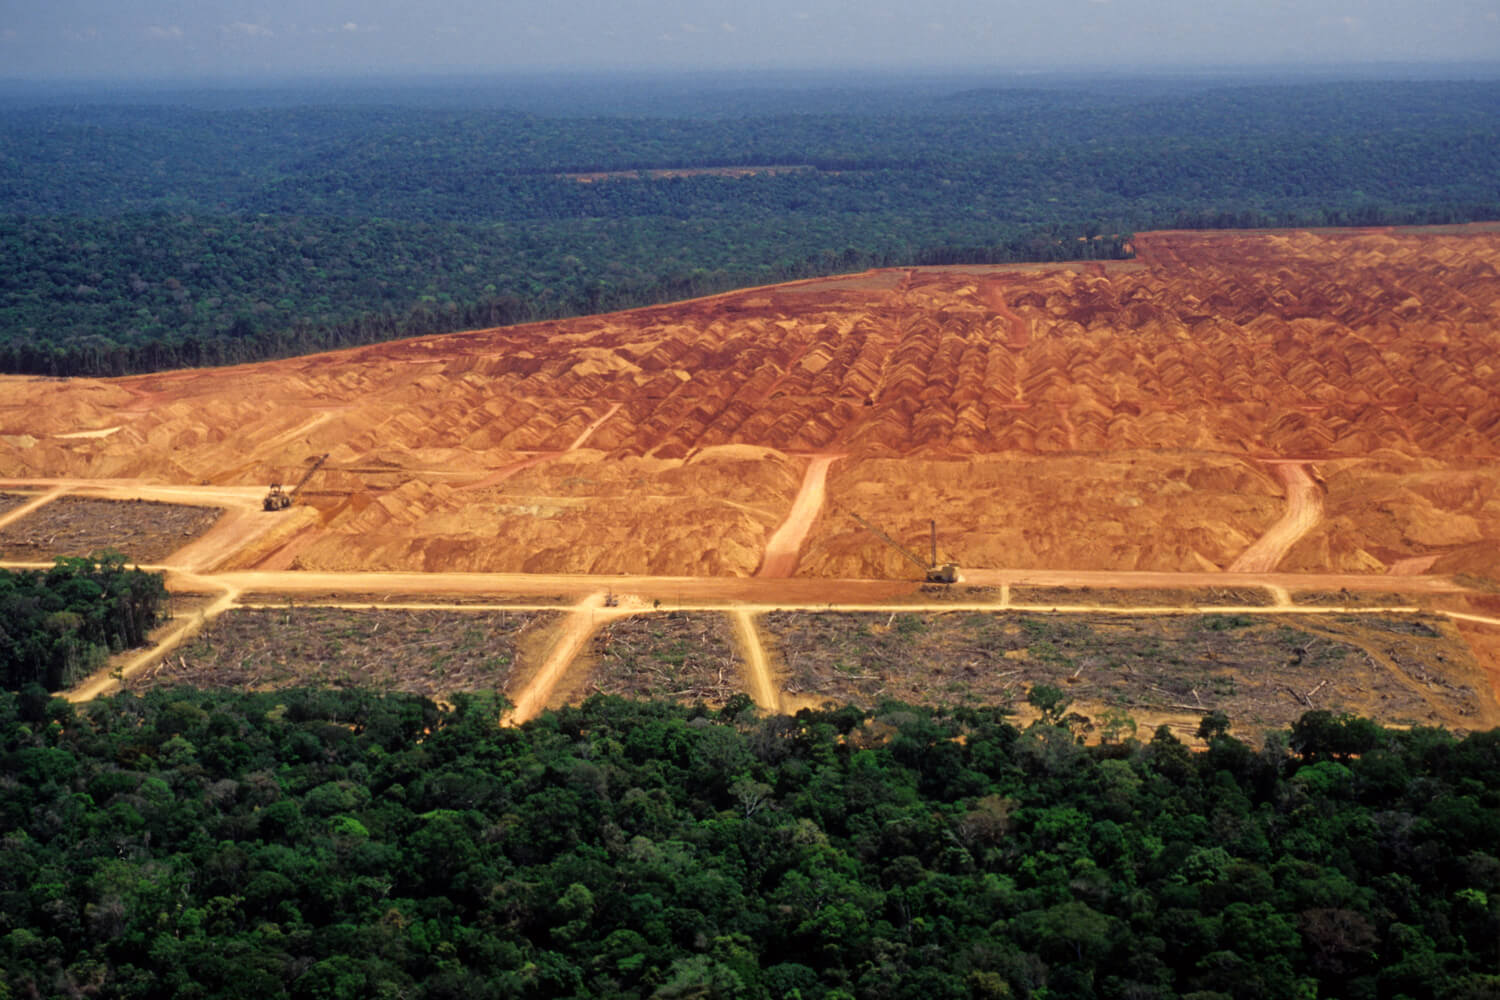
column 932, row 571
column 280, row 499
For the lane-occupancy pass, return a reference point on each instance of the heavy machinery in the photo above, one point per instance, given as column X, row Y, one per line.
column 931, row 571
column 280, row 499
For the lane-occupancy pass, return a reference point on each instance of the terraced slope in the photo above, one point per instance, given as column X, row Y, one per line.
column 1100, row 416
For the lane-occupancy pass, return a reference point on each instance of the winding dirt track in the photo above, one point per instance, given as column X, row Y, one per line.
column 1304, row 509
column 780, row 560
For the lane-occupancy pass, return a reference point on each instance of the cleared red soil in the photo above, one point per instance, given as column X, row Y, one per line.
column 1053, row 417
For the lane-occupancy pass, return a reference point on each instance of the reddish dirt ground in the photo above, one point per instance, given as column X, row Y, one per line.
column 1348, row 351
column 1323, row 403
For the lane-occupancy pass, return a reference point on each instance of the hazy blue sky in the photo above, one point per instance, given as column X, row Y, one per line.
column 169, row 38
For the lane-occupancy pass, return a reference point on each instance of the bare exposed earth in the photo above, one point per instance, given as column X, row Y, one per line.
column 1285, row 410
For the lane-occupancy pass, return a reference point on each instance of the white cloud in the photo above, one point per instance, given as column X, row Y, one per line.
column 165, row 33
column 249, row 30
column 350, row 26
column 728, row 28
column 86, row 35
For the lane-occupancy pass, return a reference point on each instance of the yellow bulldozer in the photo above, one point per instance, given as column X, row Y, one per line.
column 280, row 499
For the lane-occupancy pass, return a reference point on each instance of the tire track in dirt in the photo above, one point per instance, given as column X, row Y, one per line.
column 1066, row 419
column 1412, row 566
column 762, row 687
column 503, row 473
column 236, row 528
column 1303, row 511
column 780, row 559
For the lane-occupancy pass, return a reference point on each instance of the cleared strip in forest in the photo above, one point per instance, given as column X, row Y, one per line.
column 762, row 687
column 577, row 628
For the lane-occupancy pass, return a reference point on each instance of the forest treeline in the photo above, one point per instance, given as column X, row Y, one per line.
column 137, row 237
column 59, row 625
column 349, row 844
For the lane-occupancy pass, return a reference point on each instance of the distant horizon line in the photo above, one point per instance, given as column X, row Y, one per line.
column 1371, row 70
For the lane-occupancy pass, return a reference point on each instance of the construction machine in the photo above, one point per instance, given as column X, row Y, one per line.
column 280, row 499
column 932, row 572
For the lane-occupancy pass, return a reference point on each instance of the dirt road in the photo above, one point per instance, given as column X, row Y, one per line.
column 107, row 681
column 1304, row 509
column 762, row 687
column 31, row 505
column 780, row 560
column 190, row 570
column 577, row 628
column 588, row 431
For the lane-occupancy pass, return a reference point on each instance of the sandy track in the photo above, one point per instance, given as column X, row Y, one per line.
column 588, row 431
column 1412, row 566
column 795, row 591
column 31, row 505
column 576, row 630
column 1304, row 510
column 780, row 559
column 503, row 473
column 235, row 529
column 762, row 687
column 107, row 681
column 1020, row 330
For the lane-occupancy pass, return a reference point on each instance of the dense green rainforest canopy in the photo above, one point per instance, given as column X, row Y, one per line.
column 349, row 844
